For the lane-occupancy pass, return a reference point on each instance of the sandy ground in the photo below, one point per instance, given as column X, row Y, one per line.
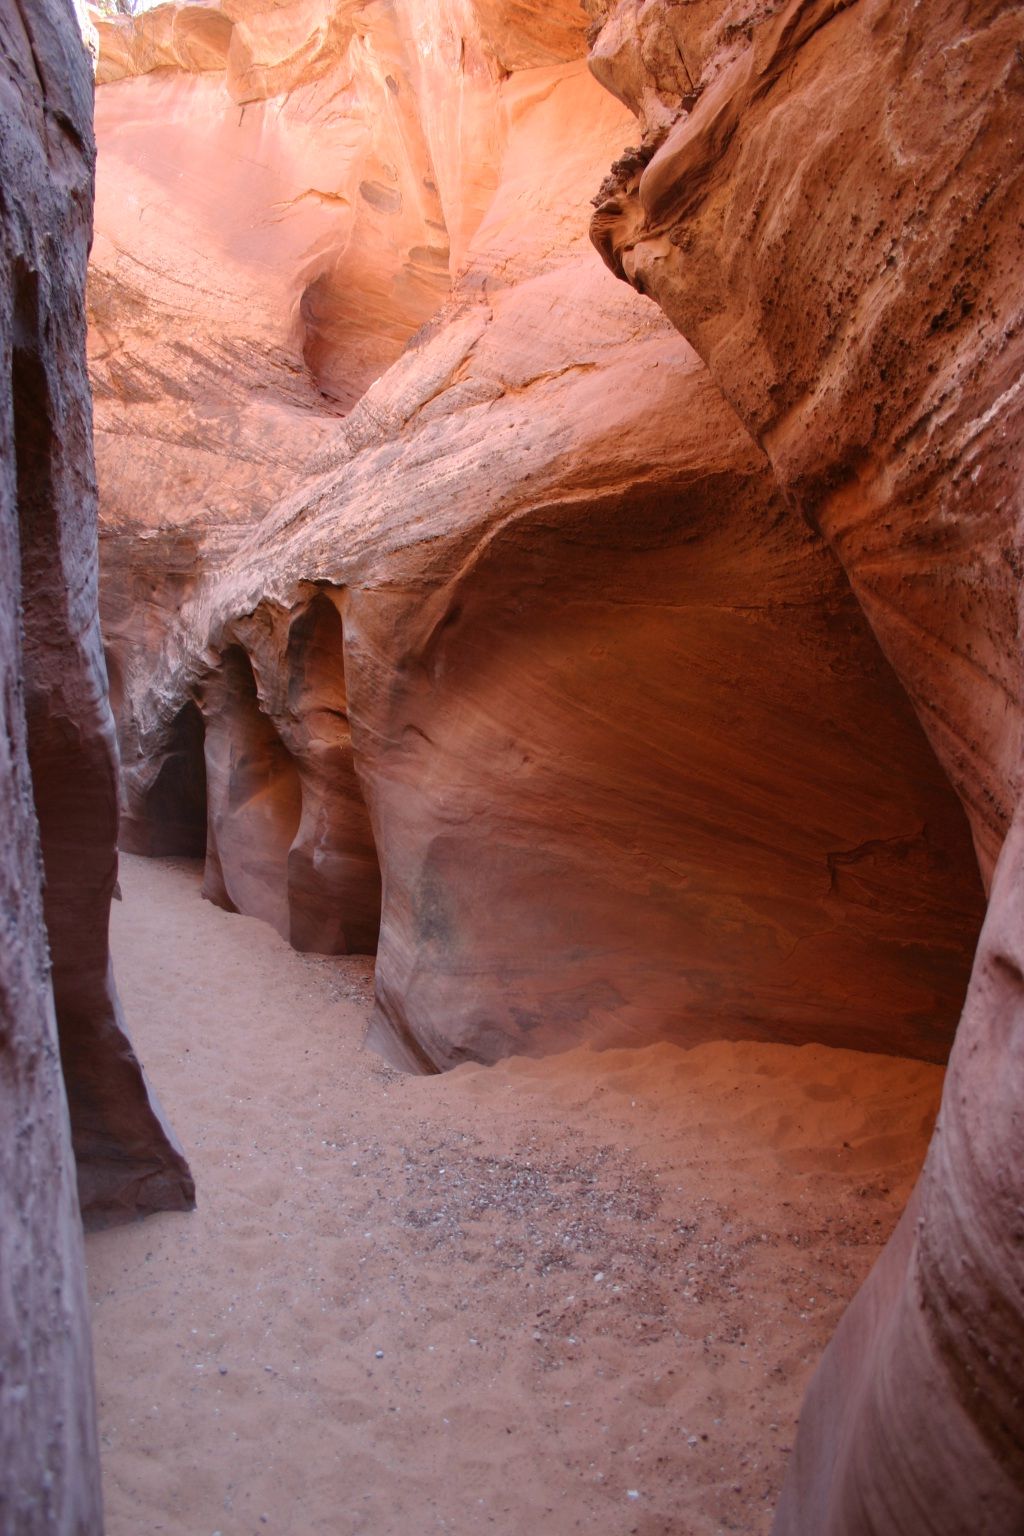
column 582, row 1294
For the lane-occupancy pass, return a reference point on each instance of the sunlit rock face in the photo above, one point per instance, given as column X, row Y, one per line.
column 827, row 201
column 536, row 664
column 284, row 195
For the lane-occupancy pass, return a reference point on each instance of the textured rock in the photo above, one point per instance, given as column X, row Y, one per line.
column 290, row 839
column 634, row 764
column 282, row 195
column 590, row 624
column 49, row 669
column 268, row 236
column 912, row 1422
column 855, row 293
column 127, row 1160
column 828, row 202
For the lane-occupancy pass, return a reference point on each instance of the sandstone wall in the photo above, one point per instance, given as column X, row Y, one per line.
column 834, row 228
column 49, row 1467
column 283, row 198
column 127, row 1160
column 827, row 201
column 633, row 762
column 626, row 678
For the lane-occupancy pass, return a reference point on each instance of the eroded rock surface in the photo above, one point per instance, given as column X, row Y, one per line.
column 569, row 645
column 855, row 292
column 634, row 765
column 283, row 197
column 127, row 1159
column 827, row 202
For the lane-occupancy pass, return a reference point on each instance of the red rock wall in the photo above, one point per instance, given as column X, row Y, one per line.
column 289, row 838
column 587, row 650
column 634, row 764
column 601, row 815
column 127, row 1160
column 612, row 686
column 912, row 1422
column 828, row 201
column 283, row 197
column 855, row 292
column 49, row 1467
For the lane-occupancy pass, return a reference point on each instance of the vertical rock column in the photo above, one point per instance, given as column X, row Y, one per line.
column 127, row 1159
column 49, row 1468
column 288, row 835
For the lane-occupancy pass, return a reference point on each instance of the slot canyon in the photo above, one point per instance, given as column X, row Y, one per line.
column 510, row 607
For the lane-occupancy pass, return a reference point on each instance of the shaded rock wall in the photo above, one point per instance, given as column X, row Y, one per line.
column 57, row 788
column 634, row 765
column 289, row 835
column 855, row 292
column 601, row 816
column 827, row 201
column 912, row 1422
column 127, row 1160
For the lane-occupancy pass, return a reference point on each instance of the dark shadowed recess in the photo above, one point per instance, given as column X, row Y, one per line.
column 255, row 797
column 174, row 821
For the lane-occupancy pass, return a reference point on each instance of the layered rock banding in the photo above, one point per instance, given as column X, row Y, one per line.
column 634, row 765
column 549, row 663
column 870, row 347
column 855, row 292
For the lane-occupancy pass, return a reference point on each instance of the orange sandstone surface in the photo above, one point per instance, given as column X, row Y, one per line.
column 827, row 201
column 534, row 660
column 624, row 673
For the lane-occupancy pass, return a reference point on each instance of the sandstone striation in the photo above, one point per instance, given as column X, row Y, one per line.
column 854, row 291
column 634, row 765
column 827, row 201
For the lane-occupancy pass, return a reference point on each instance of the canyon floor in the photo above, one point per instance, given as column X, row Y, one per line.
column 582, row 1293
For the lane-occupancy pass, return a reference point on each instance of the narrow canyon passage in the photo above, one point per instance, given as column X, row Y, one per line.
column 583, row 1293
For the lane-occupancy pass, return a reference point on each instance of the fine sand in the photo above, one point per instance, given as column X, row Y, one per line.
column 577, row 1294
